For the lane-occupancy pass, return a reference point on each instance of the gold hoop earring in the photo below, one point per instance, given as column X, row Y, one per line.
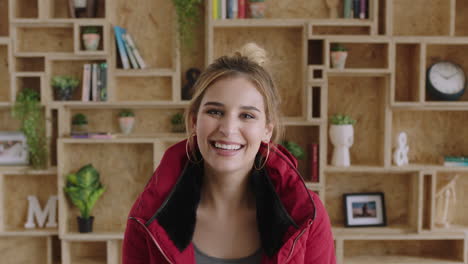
column 266, row 158
column 187, row 149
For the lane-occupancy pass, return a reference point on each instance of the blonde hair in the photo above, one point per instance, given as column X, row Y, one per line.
column 249, row 62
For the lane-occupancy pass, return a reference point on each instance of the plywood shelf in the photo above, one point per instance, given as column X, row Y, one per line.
column 358, row 72
column 144, row 73
column 95, row 236
column 398, row 259
column 29, row 233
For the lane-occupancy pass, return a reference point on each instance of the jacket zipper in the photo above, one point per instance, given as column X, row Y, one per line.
column 294, row 244
column 154, row 240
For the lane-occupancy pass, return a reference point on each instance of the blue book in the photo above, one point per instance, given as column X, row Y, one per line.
column 121, row 47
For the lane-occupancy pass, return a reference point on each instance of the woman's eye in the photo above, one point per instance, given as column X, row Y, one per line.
column 248, row 116
column 214, row 112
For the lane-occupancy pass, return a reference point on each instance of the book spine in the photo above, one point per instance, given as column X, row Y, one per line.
column 97, row 97
column 215, row 9
column 241, row 8
column 230, row 11
column 314, row 162
column 94, row 82
column 223, row 9
column 85, row 82
column 235, row 9
column 356, row 8
column 362, row 10
column 456, row 163
column 138, row 57
column 456, row 158
column 348, row 9
column 121, row 48
column 103, row 94
column 129, row 51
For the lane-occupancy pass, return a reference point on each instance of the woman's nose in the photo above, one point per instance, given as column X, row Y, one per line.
column 228, row 125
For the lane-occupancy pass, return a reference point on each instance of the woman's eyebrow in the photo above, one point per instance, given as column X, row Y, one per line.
column 213, row 104
column 243, row 107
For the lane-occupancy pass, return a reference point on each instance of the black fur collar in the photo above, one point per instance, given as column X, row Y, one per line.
column 177, row 215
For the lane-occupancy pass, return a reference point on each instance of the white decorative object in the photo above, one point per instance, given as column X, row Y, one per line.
column 41, row 215
column 342, row 138
column 126, row 124
column 13, row 148
column 400, row 155
column 444, row 197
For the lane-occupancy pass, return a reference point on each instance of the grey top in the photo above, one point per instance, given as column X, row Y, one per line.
column 202, row 258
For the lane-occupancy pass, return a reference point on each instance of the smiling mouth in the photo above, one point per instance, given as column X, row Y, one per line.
column 221, row 146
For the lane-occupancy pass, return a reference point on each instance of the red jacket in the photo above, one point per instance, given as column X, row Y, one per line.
column 293, row 224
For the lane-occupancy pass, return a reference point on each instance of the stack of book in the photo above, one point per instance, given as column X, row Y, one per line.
column 95, row 135
column 128, row 53
column 231, row 9
column 94, row 85
column 455, row 160
column 356, row 9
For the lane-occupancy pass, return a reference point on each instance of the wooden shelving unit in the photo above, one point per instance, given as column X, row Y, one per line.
column 383, row 87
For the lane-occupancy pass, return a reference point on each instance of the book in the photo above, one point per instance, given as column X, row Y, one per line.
column 85, row 86
column 356, row 8
column 362, row 9
column 314, row 160
column 232, row 9
column 121, row 48
column 456, row 163
column 103, row 76
column 130, row 53
column 94, row 77
column 215, row 9
column 96, row 135
column 456, row 158
column 241, row 6
column 223, row 9
column 133, row 47
column 348, row 9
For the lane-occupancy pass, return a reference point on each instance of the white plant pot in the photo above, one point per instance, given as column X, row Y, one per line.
column 342, row 138
column 126, row 124
column 338, row 59
column 91, row 41
column 80, row 3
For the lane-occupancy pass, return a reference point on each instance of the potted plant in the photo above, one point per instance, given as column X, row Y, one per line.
column 188, row 16
column 79, row 123
column 294, row 148
column 126, row 121
column 257, row 8
column 27, row 109
column 177, row 121
column 339, row 53
column 91, row 38
column 84, row 188
column 342, row 137
column 64, row 86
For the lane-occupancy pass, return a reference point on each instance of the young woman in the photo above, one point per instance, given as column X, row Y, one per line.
column 229, row 193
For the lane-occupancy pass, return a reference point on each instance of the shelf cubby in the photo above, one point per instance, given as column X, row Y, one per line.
column 79, row 42
column 8, row 122
column 285, row 47
column 304, row 136
column 30, row 82
column 16, row 188
column 131, row 164
column 314, row 97
column 455, row 53
column 57, row 39
column 365, row 55
column 85, row 252
column 407, row 72
column 369, row 112
column 340, row 30
column 431, row 18
column 461, row 19
column 4, row 16
column 316, row 51
column 25, row 9
column 141, row 89
column 151, row 25
column 400, row 191
column 70, row 67
column 457, row 217
column 4, row 74
column 426, row 144
column 24, row 249
column 404, row 251
column 59, row 9
column 30, row 64
column 148, row 121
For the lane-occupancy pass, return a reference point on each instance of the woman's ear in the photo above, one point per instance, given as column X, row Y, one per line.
column 193, row 122
column 268, row 132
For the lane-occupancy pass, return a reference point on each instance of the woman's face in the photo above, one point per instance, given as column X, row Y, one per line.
column 231, row 124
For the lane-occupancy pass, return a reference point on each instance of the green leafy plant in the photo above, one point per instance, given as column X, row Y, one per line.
column 79, row 119
column 28, row 111
column 84, row 188
column 338, row 47
column 188, row 16
column 90, row 30
column 294, row 148
column 177, row 119
column 340, row 119
column 64, row 82
column 126, row 113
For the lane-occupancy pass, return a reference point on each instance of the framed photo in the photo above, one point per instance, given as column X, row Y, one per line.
column 13, row 148
column 364, row 209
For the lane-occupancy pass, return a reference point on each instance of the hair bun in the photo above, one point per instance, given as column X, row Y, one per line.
column 254, row 53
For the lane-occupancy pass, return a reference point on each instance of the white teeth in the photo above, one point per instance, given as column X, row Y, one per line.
column 229, row 147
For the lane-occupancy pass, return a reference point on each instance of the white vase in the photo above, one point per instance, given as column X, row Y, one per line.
column 80, row 3
column 91, row 41
column 342, row 138
column 126, row 124
column 338, row 59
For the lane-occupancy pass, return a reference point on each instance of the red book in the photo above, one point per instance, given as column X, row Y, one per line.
column 241, row 8
column 314, row 160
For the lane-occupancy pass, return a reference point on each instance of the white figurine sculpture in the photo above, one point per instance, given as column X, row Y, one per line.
column 444, row 196
column 342, row 138
column 34, row 211
column 400, row 155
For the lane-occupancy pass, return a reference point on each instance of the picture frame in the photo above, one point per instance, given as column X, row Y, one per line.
column 13, row 148
column 364, row 209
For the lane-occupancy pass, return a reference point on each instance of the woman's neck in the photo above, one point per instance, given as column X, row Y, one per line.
column 226, row 192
